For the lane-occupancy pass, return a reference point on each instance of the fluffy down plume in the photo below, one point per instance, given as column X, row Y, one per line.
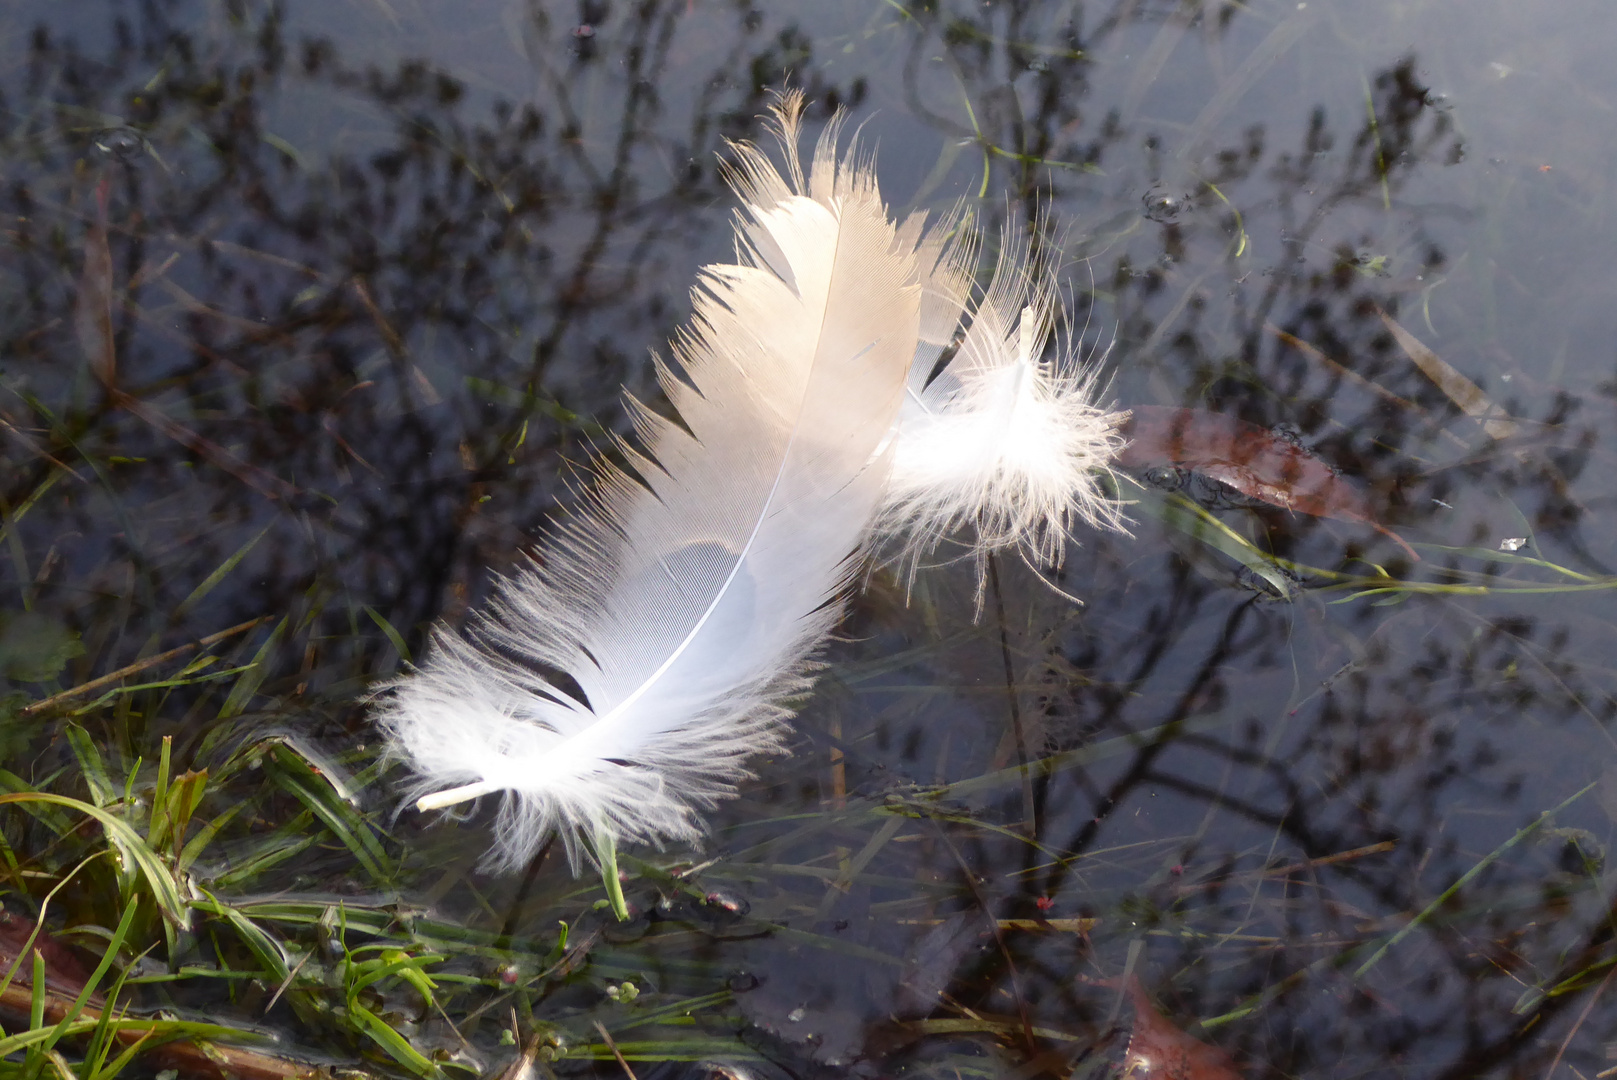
column 1001, row 439
column 619, row 684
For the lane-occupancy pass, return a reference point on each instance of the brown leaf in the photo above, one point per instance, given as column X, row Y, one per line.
column 92, row 310
column 1462, row 391
column 1252, row 460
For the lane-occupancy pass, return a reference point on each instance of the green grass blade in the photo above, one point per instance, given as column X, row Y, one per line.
column 36, row 1015
column 199, row 843
column 606, row 850
column 219, row 574
column 295, row 776
column 131, row 846
column 100, row 972
column 396, row 1045
column 1466, row 878
column 393, row 636
column 158, row 829
column 51, row 817
column 271, row 955
column 394, row 962
column 102, row 790
column 284, row 843
column 253, row 677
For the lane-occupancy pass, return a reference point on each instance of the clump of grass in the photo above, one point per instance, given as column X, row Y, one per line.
column 179, row 883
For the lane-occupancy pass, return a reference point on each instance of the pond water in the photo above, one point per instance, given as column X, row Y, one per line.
column 378, row 273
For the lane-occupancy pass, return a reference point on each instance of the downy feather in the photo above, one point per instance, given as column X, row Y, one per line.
column 619, row 684
column 1000, row 440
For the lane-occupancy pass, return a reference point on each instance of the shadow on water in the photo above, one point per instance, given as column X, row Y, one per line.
column 308, row 317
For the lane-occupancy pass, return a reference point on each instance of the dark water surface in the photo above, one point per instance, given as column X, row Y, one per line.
column 378, row 271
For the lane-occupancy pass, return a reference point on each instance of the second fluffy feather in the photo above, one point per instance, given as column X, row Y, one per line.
column 1001, row 443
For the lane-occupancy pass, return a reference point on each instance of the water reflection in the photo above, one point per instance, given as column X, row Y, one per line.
column 366, row 310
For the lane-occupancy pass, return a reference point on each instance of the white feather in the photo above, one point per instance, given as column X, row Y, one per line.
column 1000, row 439
column 685, row 601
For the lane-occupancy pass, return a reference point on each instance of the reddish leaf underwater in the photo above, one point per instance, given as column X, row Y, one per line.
column 63, row 971
column 1159, row 1051
column 1253, row 460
